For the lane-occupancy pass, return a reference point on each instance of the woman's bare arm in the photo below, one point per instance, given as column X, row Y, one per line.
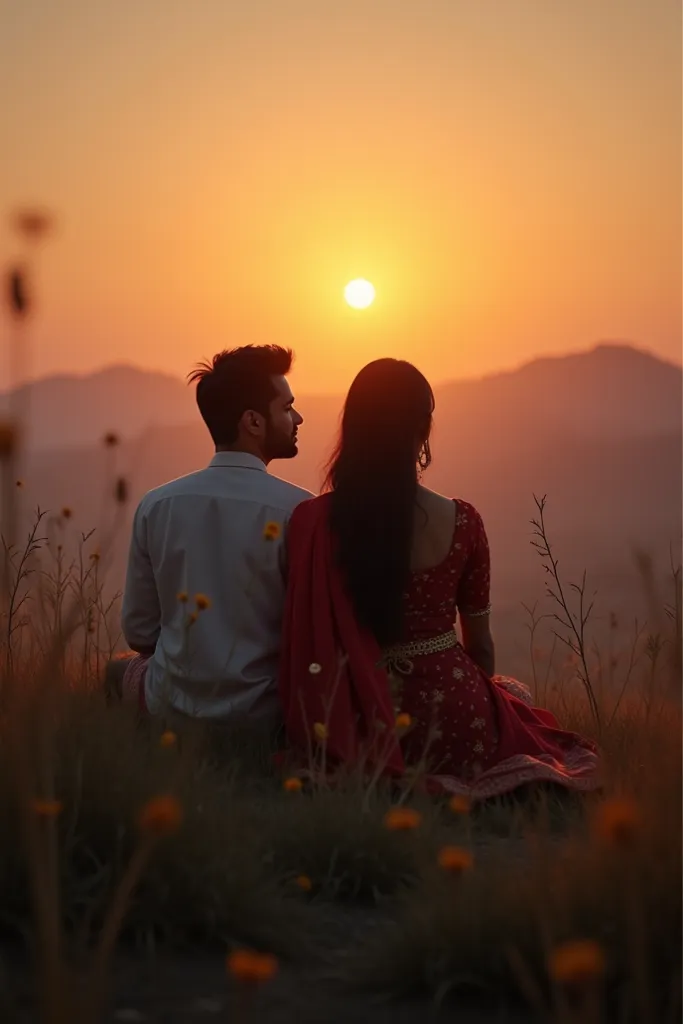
column 478, row 642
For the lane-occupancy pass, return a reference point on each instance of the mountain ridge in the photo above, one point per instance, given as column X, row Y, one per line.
column 71, row 410
column 624, row 348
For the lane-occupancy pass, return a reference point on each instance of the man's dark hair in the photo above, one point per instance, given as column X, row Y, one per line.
column 235, row 381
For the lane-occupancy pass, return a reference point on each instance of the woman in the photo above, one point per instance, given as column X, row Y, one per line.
column 379, row 567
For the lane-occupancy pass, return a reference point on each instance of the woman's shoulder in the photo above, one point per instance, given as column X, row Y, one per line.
column 465, row 511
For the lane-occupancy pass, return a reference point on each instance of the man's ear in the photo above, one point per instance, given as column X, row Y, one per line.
column 251, row 422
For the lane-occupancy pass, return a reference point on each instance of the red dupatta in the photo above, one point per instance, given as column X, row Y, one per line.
column 330, row 674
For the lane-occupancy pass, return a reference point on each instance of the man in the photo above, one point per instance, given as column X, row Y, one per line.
column 205, row 585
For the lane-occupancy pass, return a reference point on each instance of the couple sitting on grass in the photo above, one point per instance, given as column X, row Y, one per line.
column 249, row 599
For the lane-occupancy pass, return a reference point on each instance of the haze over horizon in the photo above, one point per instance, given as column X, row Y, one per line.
column 501, row 371
column 507, row 177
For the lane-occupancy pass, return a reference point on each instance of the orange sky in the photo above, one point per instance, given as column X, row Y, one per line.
column 506, row 172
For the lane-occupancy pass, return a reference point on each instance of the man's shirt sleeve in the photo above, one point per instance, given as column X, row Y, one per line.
column 141, row 614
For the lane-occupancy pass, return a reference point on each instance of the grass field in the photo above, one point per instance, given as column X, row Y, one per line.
column 569, row 907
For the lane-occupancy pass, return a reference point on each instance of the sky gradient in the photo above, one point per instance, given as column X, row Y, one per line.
column 506, row 172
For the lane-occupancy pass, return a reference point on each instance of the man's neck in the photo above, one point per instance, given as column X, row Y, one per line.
column 242, row 450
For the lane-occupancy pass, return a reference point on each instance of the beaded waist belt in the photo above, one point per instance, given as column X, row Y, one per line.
column 398, row 657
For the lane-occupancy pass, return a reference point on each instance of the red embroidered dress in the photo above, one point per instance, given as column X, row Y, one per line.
column 480, row 737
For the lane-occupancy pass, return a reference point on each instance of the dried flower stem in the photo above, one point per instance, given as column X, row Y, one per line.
column 532, row 626
column 15, row 578
column 573, row 624
column 634, row 657
column 112, row 925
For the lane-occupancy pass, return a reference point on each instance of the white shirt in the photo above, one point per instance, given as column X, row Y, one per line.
column 205, row 534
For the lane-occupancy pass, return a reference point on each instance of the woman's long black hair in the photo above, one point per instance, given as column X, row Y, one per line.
column 373, row 477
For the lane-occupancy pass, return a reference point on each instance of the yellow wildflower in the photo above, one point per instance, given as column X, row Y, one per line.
column 320, row 732
column 455, row 859
column 403, row 722
column 292, row 785
column 618, row 821
column 251, row 968
column 168, row 739
column 460, row 805
column 272, row 531
column 183, row 597
column 202, row 602
column 402, row 819
column 578, row 962
column 161, row 816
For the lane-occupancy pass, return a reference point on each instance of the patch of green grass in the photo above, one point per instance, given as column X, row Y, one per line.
column 212, row 880
column 339, row 840
column 492, row 928
column 229, row 874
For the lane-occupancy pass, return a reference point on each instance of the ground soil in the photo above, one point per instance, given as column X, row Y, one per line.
column 192, row 988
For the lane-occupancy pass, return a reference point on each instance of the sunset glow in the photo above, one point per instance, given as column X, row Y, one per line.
column 507, row 175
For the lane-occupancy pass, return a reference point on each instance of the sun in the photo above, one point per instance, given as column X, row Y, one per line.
column 359, row 293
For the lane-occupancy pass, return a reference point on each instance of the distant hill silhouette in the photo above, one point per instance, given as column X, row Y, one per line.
column 71, row 411
column 599, row 432
column 616, row 389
